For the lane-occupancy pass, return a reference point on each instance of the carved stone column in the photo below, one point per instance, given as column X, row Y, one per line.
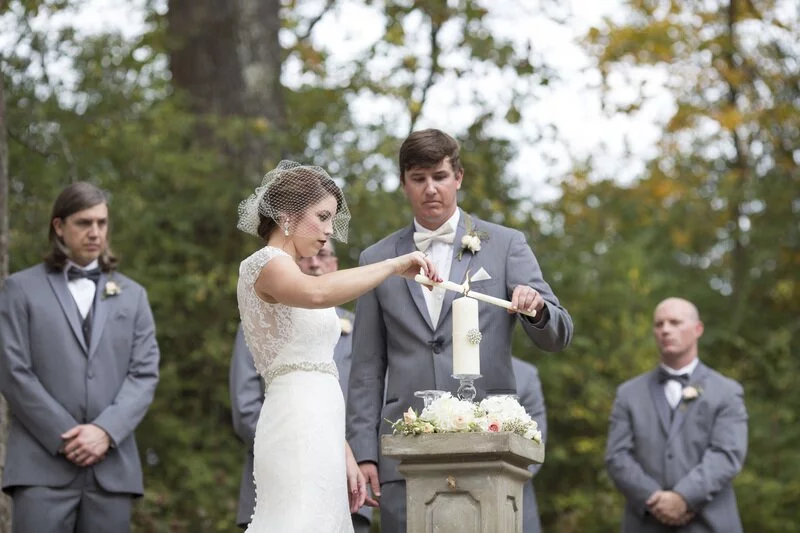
column 464, row 482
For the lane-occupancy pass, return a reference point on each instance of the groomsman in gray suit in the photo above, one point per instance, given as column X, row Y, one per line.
column 529, row 392
column 78, row 367
column 247, row 392
column 402, row 341
column 678, row 436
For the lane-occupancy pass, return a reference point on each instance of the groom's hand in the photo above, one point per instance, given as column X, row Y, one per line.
column 86, row 444
column 370, row 471
column 527, row 299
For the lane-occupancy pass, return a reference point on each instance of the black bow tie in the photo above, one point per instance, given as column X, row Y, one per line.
column 74, row 273
column 664, row 376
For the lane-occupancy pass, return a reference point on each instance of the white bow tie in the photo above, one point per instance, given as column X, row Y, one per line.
column 445, row 234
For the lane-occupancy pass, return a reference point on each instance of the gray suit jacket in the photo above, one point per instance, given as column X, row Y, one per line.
column 247, row 397
column 397, row 351
column 53, row 381
column 529, row 391
column 696, row 450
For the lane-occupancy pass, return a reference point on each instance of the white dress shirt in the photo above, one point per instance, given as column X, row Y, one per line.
column 441, row 254
column 673, row 389
column 83, row 290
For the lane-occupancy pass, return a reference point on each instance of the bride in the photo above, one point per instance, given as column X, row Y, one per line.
column 306, row 477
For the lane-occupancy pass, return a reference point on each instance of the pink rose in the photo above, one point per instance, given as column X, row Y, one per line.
column 494, row 427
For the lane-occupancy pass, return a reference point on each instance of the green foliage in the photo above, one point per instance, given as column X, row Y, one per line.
column 713, row 219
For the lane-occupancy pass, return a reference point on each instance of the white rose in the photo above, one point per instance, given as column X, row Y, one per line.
column 449, row 414
column 475, row 243
column 504, row 408
column 690, row 393
column 409, row 417
column 533, row 434
column 466, row 240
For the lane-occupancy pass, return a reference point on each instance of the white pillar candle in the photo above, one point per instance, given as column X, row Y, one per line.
column 466, row 352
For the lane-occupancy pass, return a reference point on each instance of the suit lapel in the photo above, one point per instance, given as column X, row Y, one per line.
column 59, row 285
column 458, row 268
column 685, row 408
column 405, row 245
column 660, row 401
column 100, row 314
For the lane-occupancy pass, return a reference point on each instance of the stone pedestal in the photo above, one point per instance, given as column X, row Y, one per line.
column 464, row 482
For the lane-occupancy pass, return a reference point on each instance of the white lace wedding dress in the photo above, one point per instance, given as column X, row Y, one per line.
column 301, row 484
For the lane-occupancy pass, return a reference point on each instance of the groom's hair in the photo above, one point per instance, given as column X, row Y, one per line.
column 76, row 197
column 426, row 149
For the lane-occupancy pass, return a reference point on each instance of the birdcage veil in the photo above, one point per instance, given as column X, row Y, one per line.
column 286, row 193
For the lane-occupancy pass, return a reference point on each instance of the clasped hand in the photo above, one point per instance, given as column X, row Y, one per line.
column 669, row 508
column 85, row 444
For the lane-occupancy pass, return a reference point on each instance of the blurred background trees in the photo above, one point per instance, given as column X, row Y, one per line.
column 181, row 122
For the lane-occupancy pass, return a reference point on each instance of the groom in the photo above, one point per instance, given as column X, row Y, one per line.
column 678, row 436
column 402, row 341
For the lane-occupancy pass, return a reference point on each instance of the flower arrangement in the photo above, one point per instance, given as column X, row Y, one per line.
column 471, row 241
column 448, row 414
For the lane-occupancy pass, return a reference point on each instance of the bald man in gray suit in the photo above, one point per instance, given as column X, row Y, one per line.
column 247, row 392
column 79, row 368
column 678, row 436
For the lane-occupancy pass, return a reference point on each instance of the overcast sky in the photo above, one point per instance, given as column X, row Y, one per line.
column 570, row 104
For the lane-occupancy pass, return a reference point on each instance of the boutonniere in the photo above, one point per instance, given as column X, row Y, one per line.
column 689, row 394
column 346, row 325
column 111, row 288
column 472, row 238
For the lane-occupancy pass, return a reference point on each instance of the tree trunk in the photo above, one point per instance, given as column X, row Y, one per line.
column 5, row 501
column 226, row 57
column 260, row 54
column 203, row 40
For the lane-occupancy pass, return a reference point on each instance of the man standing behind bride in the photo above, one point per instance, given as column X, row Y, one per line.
column 402, row 340
column 306, row 478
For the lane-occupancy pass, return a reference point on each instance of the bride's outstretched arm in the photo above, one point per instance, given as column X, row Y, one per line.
column 282, row 281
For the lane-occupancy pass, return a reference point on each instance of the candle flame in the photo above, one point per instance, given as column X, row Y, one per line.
column 466, row 284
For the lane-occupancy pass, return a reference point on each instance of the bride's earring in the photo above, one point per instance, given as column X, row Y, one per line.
column 286, row 229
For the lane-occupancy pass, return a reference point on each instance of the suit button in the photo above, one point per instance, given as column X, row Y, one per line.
column 91, row 374
column 437, row 350
column 669, row 455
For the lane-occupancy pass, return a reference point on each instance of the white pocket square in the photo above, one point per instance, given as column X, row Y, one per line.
column 480, row 275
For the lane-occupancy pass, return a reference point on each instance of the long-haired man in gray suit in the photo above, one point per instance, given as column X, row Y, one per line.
column 402, row 340
column 79, row 368
column 247, row 391
column 678, row 436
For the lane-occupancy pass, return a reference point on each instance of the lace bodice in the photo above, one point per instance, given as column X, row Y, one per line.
column 282, row 337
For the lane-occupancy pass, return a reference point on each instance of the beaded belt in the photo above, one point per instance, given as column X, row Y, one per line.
column 303, row 366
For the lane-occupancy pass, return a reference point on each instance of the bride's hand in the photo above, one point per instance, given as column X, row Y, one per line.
column 356, row 482
column 409, row 265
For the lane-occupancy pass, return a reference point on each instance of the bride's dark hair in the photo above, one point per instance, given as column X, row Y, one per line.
column 295, row 191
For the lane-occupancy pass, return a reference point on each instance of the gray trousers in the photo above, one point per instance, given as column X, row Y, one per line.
column 80, row 507
column 393, row 507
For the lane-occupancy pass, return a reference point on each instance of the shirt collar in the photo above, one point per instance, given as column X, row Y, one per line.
column 688, row 369
column 453, row 221
column 70, row 263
